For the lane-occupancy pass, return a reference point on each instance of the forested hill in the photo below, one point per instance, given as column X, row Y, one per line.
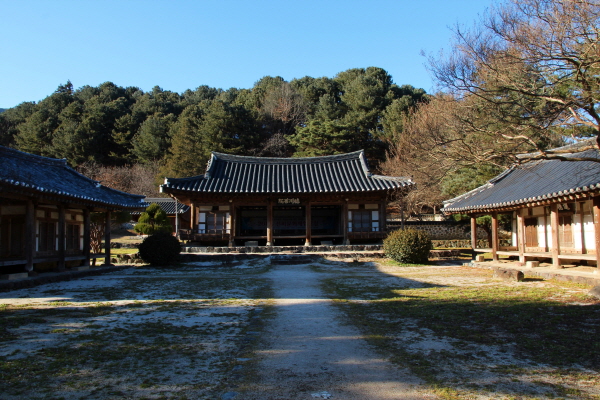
column 113, row 125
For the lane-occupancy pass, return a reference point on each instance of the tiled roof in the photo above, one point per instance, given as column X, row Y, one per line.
column 330, row 174
column 51, row 177
column 532, row 181
column 167, row 205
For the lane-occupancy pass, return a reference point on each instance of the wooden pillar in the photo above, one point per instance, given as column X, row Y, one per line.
column 546, row 241
column 580, row 209
column 107, row 239
column 554, row 232
column 308, row 225
column 232, row 230
column 193, row 218
column 61, row 237
column 495, row 236
column 176, row 218
column 596, row 213
column 473, row 235
column 382, row 217
column 521, row 234
column 30, row 242
column 345, row 222
column 86, row 237
column 270, row 223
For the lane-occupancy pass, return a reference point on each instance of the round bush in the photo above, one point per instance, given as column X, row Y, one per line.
column 408, row 246
column 160, row 249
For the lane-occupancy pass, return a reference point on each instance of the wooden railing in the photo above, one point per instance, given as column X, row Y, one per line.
column 204, row 234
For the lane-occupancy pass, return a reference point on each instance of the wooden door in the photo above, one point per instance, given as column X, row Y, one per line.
column 531, row 239
column 565, row 231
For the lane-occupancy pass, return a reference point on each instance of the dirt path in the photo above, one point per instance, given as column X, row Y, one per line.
column 308, row 352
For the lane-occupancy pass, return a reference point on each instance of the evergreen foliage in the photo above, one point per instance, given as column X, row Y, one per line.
column 112, row 125
column 408, row 246
column 160, row 249
column 153, row 220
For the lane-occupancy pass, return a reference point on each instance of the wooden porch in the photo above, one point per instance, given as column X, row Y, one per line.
column 554, row 249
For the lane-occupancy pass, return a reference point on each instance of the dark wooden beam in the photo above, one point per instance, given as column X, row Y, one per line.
column 61, row 237
column 554, row 233
column 30, row 242
column 107, row 238
column 495, row 236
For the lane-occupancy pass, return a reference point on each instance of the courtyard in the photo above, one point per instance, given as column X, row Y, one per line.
column 329, row 329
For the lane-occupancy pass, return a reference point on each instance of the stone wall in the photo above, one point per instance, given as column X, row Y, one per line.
column 441, row 230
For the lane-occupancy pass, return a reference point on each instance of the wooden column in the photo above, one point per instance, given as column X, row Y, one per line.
column 107, row 239
column 61, row 237
column 30, row 242
column 546, row 244
column 270, row 223
column 495, row 236
column 231, row 224
column 473, row 235
column 580, row 207
column 86, row 236
column 382, row 217
column 521, row 234
column 554, row 232
column 308, row 224
column 193, row 218
column 345, row 222
column 596, row 212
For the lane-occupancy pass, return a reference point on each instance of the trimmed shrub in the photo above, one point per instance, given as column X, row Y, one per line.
column 153, row 220
column 160, row 249
column 408, row 246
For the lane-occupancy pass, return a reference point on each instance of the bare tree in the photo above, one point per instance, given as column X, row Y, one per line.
column 137, row 179
column 527, row 74
column 285, row 105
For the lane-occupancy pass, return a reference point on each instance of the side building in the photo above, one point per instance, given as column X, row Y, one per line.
column 553, row 207
column 286, row 201
column 178, row 214
column 45, row 213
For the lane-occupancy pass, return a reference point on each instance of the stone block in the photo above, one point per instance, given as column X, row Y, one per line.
column 479, row 258
column 595, row 292
column 12, row 277
column 509, row 274
column 532, row 264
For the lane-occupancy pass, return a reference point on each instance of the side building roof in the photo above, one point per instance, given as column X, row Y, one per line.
column 52, row 178
column 341, row 173
column 533, row 181
column 169, row 206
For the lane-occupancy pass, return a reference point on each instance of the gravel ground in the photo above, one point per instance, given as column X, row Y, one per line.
column 309, row 352
column 252, row 331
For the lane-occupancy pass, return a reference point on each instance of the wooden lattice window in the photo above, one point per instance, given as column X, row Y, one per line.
column 12, row 236
column 73, row 237
column 216, row 222
column 361, row 221
column 47, row 236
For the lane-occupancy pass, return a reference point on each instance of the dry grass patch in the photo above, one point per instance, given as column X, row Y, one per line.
column 472, row 336
column 137, row 333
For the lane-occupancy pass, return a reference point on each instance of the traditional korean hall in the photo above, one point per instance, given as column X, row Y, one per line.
column 286, row 201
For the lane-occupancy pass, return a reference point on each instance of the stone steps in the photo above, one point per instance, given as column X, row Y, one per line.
column 292, row 259
column 283, row 249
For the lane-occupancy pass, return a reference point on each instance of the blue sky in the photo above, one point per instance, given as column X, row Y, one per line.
column 182, row 44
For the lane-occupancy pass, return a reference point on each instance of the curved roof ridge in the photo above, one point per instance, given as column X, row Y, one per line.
column 34, row 157
column 287, row 160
